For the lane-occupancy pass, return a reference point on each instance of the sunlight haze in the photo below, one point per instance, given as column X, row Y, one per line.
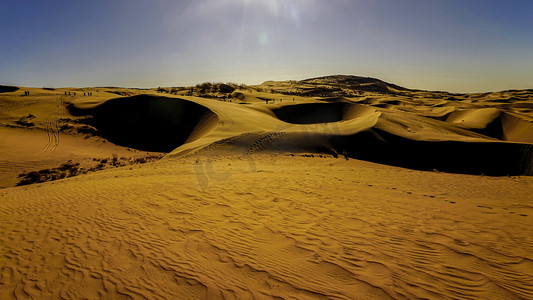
column 434, row 45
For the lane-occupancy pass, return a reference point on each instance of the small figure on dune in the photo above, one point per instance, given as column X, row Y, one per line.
column 83, row 93
column 65, row 93
column 69, row 93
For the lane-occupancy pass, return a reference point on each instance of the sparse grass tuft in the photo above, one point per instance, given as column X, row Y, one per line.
column 70, row 168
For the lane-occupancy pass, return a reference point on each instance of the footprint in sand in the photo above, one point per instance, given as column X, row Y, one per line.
column 483, row 206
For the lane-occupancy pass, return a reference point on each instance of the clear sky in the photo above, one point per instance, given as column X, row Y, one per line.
column 452, row 45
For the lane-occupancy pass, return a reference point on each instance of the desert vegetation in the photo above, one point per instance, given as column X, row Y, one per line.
column 70, row 168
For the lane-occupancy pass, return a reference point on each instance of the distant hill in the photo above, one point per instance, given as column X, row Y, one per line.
column 334, row 86
column 368, row 84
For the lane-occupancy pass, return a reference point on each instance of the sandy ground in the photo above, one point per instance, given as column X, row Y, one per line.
column 271, row 226
column 37, row 132
column 337, row 197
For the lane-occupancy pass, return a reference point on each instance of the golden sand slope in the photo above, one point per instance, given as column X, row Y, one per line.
column 37, row 132
column 464, row 143
column 268, row 226
column 264, row 200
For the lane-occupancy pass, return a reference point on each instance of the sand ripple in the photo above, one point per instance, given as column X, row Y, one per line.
column 147, row 233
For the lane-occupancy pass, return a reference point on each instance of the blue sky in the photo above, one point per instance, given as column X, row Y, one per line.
column 460, row 46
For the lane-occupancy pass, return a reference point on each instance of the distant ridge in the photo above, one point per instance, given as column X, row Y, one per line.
column 357, row 83
column 334, row 86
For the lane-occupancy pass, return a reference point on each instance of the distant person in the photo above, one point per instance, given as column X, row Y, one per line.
column 69, row 93
column 83, row 93
column 65, row 93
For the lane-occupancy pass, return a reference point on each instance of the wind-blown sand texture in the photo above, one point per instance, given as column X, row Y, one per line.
column 343, row 188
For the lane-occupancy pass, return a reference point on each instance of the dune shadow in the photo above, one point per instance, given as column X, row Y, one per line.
column 314, row 113
column 143, row 122
column 477, row 158
column 8, row 89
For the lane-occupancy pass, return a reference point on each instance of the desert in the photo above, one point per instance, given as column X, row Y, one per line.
column 335, row 187
column 266, row 149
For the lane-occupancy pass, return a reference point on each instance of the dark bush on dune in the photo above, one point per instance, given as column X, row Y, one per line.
column 68, row 169
column 205, row 87
column 226, row 89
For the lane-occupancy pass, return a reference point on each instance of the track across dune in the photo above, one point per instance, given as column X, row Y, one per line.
column 393, row 138
column 148, row 123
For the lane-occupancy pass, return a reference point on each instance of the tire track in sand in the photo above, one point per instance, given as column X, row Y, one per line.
column 52, row 127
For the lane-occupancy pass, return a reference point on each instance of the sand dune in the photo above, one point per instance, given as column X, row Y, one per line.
column 339, row 187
